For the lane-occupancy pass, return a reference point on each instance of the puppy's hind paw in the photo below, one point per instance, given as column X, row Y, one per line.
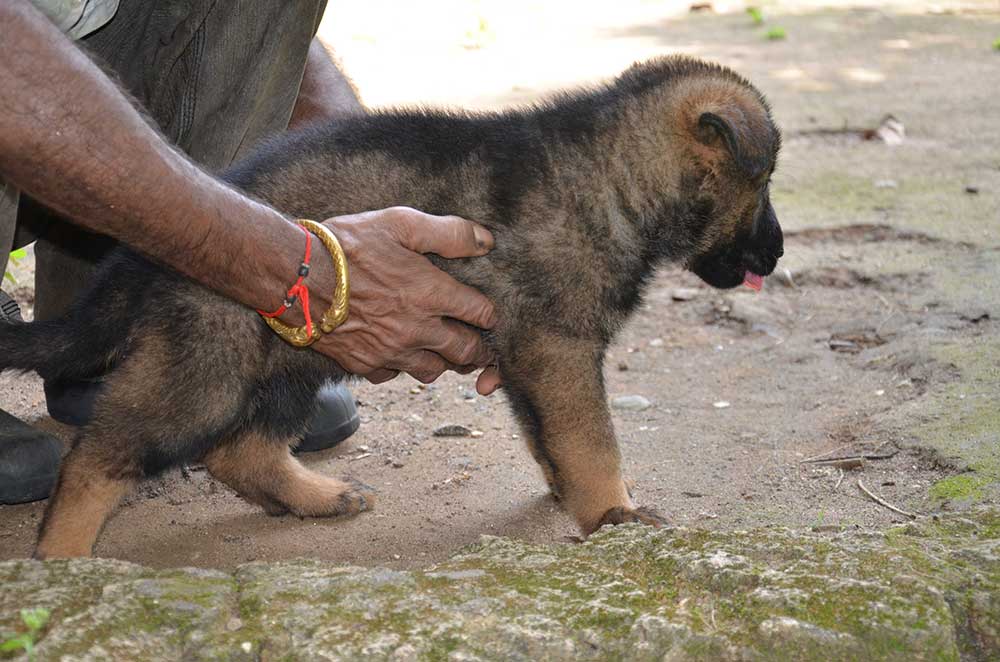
column 642, row 515
column 358, row 498
column 334, row 498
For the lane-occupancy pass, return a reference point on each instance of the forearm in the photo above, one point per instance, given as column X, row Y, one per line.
column 73, row 141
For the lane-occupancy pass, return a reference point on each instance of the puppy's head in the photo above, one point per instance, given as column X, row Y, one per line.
column 733, row 146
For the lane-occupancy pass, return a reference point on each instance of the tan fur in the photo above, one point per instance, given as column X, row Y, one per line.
column 78, row 509
column 580, row 456
column 264, row 472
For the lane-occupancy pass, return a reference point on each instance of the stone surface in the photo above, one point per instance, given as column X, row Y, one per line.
column 928, row 590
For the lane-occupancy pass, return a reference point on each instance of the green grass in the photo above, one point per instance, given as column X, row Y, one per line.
column 996, row 44
column 775, row 34
column 19, row 254
column 756, row 15
column 34, row 620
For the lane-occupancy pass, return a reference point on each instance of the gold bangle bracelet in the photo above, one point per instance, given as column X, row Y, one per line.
column 336, row 314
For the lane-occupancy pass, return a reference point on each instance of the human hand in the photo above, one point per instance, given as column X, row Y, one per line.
column 403, row 309
column 488, row 380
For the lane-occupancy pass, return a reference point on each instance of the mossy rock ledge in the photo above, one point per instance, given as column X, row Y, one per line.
column 927, row 590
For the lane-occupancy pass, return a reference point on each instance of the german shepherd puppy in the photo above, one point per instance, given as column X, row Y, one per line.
column 585, row 195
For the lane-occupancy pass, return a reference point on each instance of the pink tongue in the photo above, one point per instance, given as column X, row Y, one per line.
column 753, row 281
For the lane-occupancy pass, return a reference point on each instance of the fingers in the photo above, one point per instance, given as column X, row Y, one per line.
column 465, row 303
column 381, row 375
column 488, row 380
column 447, row 236
column 426, row 367
column 406, row 313
column 459, row 344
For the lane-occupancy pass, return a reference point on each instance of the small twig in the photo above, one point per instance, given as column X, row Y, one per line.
column 855, row 462
column 874, row 455
column 825, row 453
column 882, row 502
column 839, row 481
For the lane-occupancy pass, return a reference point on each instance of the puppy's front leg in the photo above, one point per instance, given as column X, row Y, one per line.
column 556, row 387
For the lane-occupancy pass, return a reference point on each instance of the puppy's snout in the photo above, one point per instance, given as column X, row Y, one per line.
column 760, row 262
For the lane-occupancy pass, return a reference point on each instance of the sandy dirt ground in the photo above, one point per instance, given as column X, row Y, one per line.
column 885, row 328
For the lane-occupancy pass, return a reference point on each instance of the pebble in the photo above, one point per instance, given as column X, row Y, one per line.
column 452, row 430
column 886, row 183
column 683, row 293
column 234, row 624
column 656, row 342
column 469, row 394
column 415, row 390
column 631, row 402
column 721, row 404
column 476, row 433
column 623, row 367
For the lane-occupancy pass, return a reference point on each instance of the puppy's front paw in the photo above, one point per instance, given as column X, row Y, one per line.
column 642, row 515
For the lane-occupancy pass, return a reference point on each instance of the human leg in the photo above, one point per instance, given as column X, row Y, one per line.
column 29, row 458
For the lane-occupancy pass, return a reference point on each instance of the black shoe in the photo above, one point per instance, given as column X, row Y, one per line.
column 29, row 461
column 9, row 310
column 334, row 419
column 29, row 458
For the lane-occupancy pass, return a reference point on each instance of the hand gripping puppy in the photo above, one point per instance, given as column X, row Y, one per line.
column 585, row 194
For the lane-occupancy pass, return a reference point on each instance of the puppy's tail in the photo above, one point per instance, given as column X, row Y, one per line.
column 54, row 349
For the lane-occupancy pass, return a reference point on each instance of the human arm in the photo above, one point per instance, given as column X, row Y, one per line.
column 73, row 141
column 325, row 92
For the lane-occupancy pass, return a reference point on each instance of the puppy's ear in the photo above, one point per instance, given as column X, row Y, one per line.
column 735, row 133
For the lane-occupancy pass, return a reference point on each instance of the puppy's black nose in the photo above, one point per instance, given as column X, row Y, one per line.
column 778, row 253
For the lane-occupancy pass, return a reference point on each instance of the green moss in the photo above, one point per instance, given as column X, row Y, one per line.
column 920, row 591
column 965, row 420
column 961, row 487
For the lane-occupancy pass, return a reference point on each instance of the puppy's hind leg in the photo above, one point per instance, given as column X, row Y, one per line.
column 262, row 470
column 88, row 490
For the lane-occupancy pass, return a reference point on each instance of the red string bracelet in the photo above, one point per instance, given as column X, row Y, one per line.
column 298, row 289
